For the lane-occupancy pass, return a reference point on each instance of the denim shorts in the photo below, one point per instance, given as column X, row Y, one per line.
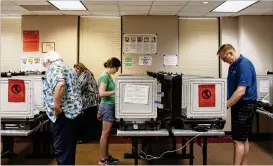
column 108, row 112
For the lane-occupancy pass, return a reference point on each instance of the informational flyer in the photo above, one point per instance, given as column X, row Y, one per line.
column 140, row 44
column 145, row 60
column 264, row 86
column 128, row 61
column 170, row 60
column 31, row 63
column 136, row 94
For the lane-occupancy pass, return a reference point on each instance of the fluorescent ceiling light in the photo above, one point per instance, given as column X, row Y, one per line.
column 205, row 2
column 233, row 6
column 68, row 5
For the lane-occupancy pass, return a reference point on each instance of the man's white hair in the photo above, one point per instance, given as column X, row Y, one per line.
column 52, row 56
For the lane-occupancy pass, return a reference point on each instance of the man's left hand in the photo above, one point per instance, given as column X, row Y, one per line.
column 58, row 110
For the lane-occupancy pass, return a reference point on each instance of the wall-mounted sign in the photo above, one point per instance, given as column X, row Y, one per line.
column 139, row 44
column 48, row 46
column 145, row 60
column 31, row 41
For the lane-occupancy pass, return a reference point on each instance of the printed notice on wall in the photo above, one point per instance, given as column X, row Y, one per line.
column 31, row 41
column 139, row 44
column 136, row 94
column 31, row 63
column 145, row 60
column 170, row 60
column 264, row 86
column 128, row 61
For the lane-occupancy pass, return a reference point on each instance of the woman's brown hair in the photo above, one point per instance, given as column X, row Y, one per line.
column 112, row 62
column 82, row 67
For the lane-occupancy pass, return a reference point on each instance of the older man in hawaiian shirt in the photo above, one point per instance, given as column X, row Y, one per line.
column 63, row 105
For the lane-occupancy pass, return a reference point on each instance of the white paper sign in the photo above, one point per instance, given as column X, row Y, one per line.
column 145, row 60
column 136, row 94
column 264, row 86
column 32, row 63
column 170, row 60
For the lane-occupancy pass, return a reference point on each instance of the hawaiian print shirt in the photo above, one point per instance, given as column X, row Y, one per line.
column 71, row 101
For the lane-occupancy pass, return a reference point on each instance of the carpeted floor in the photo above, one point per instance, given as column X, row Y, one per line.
column 261, row 153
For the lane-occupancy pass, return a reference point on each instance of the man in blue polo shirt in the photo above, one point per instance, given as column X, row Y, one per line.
column 242, row 96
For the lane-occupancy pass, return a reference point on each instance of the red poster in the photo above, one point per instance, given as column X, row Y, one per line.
column 31, row 41
column 206, row 95
column 16, row 92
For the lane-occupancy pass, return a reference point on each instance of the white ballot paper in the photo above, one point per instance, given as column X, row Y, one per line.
column 264, row 86
column 137, row 94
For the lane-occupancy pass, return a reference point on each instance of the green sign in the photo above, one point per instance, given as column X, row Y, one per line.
column 128, row 61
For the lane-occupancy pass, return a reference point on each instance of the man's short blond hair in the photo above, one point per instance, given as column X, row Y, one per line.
column 224, row 48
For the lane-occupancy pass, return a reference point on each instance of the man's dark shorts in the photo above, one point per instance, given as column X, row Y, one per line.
column 241, row 120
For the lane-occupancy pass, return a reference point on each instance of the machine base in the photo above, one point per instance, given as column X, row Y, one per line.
column 199, row 124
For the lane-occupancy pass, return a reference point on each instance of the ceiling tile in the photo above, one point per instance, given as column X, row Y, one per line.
column 139, row 8
column 33, row 2
column 253, row 10
column 78, row 13
column 105, row 13
column 197, row 8
column 14, row 7
column 39, row 7
column 162, row 13
column 102, row 7
column 48, row 12
column 170, row 3
column 6, row 3
column 99, row 2
column 27, row 0
column 166, row 8
column 263, row 4
column 191, row 13
column 210, row 3
column 3, row 14
column 133, row 12
column 269, row 13
column 214, row 14
column 121, row 2
column 17, row 12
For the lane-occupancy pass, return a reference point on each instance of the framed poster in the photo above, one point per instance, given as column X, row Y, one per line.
column 48, row 46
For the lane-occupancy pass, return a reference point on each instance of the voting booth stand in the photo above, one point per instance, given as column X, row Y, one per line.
column 203, row 103
column 23, row 116
column 142, row 99
column 265, row 97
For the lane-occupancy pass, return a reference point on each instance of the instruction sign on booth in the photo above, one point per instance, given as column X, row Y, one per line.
column 16, row 92
column 206, row 95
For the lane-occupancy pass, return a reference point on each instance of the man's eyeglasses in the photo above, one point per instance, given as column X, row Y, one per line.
column 225, row 57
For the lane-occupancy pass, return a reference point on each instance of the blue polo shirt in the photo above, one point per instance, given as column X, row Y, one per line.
column 242, row 73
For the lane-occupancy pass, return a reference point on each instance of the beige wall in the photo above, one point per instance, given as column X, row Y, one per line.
column 229, row 34
column 252, row 36
column 256, row 41
column 99, row 41
column 11, row 44
column 198, row 44
column 59, row 29
column 167, row 40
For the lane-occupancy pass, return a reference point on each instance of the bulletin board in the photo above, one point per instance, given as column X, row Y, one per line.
column 166, row 43
column 139, row 43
